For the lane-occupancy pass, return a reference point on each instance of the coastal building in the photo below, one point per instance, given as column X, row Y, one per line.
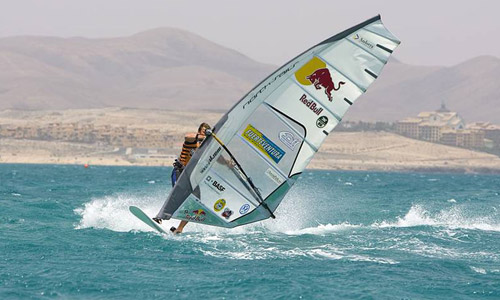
column 430, row 125
column 447, row 127
column 492, row 133
column 464, row 138
column 409, row 127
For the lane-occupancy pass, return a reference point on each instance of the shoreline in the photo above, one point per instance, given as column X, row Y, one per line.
column 373, row 151
column 409, row 169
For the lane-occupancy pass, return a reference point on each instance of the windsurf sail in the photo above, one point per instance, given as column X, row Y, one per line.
column 273, row 132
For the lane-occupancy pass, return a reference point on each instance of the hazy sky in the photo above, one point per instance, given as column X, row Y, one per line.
column 433, row 32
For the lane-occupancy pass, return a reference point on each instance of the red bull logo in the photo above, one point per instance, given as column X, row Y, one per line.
column 199, row 212
column 197, row 215
column 316, row 73
column 311, row 104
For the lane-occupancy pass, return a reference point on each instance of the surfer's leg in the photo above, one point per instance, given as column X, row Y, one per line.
column 180, row 227
column 173, row 176
column 176, row 172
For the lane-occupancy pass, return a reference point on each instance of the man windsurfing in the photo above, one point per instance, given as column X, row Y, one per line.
column 192, row 141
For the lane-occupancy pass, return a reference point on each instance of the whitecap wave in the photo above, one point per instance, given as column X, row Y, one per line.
column 253, row 250
column 112, row 212
column 322, row 229
column 455, row 218
column 478, row 270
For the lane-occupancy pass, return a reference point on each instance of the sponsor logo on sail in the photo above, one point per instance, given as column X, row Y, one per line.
column 363, row 41
column 274, row 176
column 288, row 139
column 244, row 208
column 214, row 185
column 210, row 159
column 321, row 121
column 227, row 213
column 263, row 144
column 315, row 72
column 269, row 82
column 196, row 215
column 310, row 104
column 219, row 204
column 321, row 78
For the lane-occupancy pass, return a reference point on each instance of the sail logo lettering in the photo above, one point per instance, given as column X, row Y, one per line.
column 210, row 159
column 263, row 88
column 311, row 104
column 316, row 73
column 288, row 139
column 263, row 144
column 214, row 185
column 274, row 176
column 363, row 41
column 196, row 216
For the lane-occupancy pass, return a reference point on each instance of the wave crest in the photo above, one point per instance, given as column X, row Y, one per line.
column 454, row 218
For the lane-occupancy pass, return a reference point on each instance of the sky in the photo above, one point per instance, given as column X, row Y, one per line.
column 439, row 32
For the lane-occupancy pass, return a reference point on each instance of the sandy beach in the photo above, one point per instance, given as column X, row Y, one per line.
column 380, row 151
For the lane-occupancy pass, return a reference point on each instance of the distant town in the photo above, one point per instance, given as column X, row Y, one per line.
column 441, row 126
column 118, row 136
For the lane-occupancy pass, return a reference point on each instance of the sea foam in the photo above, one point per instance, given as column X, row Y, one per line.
column 112, row 212
column 455, row 217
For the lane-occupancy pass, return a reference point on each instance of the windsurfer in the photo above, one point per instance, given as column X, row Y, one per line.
column 192, row 141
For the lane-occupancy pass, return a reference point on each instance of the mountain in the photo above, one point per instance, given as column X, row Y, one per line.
column 173, row 69
column 160, row 68
column 469, row 88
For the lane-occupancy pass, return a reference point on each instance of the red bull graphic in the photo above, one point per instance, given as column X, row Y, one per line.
column 199, row 215
column 322, row 78
column 316, row 73
column 199, row 212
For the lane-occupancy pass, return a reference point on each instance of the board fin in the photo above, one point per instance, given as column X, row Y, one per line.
column 136, row 211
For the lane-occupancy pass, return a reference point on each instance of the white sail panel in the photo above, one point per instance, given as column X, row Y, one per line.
column 296, row 103
column 356, row 64
column 378, row 28
column 303, row 159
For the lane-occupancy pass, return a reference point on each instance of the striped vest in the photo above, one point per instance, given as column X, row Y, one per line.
column 190, row 145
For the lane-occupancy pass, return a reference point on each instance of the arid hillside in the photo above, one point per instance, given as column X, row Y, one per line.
column 173, row 69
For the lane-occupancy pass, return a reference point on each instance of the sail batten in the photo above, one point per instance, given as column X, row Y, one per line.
column 276, row 129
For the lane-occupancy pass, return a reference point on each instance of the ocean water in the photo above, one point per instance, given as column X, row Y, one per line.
column 65, row 232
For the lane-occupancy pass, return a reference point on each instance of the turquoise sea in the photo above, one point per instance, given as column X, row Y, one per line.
column 65, row 232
